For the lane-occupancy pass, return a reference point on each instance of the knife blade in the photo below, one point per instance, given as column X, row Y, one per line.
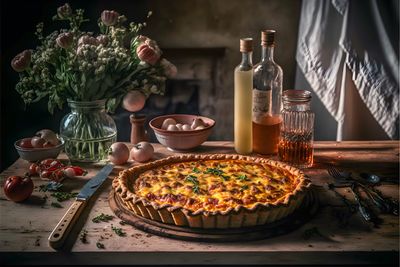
column 64, row 226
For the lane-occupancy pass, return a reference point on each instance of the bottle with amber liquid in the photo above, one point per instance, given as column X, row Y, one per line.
column 243, row 99
column 297, row 131
column 267, row 94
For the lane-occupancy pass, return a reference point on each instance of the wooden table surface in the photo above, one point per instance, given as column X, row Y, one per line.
column 330, row 237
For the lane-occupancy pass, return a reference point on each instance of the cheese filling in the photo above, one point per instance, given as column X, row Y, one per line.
column 215, row 185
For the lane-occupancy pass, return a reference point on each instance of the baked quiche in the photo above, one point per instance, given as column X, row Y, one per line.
column 212, row 191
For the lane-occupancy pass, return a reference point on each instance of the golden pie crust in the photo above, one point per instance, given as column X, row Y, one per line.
column 244, row 191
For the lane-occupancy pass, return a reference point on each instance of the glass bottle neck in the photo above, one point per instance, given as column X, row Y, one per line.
column 267, row 53
column 247, row 59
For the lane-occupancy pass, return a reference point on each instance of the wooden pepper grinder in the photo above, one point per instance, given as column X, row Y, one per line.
column 138, row 131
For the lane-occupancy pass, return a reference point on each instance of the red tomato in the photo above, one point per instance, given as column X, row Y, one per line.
column 55, row 165
column 17, row 188
column 58, row 175
column 72, row 171
column 34, row 169
column 46, row 162
column 46, row 174
column 25, row 143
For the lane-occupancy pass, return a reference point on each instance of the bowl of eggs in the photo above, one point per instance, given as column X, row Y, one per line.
column 45, row 144
column 181, row 132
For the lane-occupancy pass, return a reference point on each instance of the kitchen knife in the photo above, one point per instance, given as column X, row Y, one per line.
column 57, row 237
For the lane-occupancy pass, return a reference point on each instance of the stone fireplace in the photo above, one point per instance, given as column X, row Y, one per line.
column 195, row 90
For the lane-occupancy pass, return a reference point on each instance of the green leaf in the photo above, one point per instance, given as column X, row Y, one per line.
column 102, row 218
column 242, row 177
column 196, row 170
column 118, row 231
column 63, row 196
column 100, row 245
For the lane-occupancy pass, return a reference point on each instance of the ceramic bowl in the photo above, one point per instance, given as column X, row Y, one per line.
column 181, row 140
column 37, row 154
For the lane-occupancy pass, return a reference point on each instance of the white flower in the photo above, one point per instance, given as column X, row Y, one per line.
column 153, row 89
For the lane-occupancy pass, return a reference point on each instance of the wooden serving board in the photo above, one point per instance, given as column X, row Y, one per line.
column 295, row 220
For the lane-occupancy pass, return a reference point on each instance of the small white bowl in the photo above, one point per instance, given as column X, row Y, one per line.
column 37, row 154
column 181, row 140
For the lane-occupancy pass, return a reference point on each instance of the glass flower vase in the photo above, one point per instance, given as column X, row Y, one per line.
column 88, row 131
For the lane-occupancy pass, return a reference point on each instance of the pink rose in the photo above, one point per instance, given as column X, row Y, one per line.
column 21, row 61
column 64, row 11
column 169, row 68
column 148, row 54
column 109, row 17
column 65, row 39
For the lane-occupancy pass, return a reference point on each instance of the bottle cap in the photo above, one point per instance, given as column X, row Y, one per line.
column 268, row 37
column 246, row 45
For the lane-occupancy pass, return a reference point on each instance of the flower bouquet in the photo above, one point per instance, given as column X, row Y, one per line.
column 92, row 73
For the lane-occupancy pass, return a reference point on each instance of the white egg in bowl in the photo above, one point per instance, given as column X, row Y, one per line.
column 182, row 131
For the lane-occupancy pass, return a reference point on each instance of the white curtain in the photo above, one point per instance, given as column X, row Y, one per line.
column 348, row 51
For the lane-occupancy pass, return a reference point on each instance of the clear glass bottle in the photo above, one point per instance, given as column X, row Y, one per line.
column 267, row 94
column 88, row 131
column 243, row 99
column 297, row 130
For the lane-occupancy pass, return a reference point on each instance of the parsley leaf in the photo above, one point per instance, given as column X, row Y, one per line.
column 63, row 196
column 196, row 188
column 196, row 170
column 118, row 231
column 193, row 179
column 100, row 245
column 102, row 218
column 224, row 177
column 215, row 171
column 242, row 177
column 244, row 187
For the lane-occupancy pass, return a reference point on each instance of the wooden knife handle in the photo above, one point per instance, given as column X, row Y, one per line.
column 64, row 226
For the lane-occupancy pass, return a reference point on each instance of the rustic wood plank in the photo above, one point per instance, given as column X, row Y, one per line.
column 25, row 227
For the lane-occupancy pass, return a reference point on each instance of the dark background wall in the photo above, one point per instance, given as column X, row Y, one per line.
column 175, row 23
